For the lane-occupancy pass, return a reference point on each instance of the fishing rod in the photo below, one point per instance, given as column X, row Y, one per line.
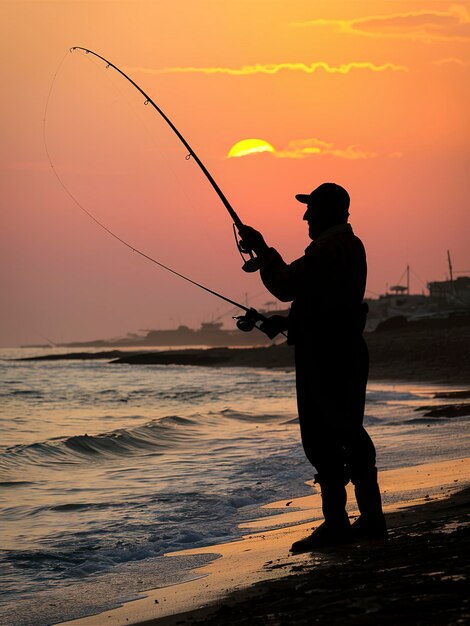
column 249, row 265
column 247, row 322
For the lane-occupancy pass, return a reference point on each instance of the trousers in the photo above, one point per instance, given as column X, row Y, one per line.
column 331, row 380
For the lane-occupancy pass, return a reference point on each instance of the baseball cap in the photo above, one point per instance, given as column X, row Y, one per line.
column 326, row 194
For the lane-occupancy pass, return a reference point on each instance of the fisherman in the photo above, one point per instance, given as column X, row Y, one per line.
column 325, row 325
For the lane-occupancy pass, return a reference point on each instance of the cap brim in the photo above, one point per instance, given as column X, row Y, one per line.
column 302, row 197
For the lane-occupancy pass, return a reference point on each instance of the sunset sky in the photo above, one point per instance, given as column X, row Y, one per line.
column 373, row 95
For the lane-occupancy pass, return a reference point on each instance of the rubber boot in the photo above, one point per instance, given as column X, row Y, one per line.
column 371, row 522
column 336, row 529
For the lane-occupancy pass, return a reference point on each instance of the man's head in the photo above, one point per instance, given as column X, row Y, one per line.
column 327, row 206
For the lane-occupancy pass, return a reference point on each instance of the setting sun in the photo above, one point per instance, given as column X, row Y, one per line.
column 249, row 146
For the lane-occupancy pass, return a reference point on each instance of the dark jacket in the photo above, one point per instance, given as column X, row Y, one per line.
column 326, row 287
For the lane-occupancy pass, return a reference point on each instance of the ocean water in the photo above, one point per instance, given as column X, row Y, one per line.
column 104, row 468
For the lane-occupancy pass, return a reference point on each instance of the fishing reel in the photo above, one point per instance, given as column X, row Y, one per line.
column 247, row 322
column 250, row 265
column 270, row 326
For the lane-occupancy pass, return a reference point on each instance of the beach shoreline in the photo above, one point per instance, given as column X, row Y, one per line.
column 416, row 352
column 257, row 581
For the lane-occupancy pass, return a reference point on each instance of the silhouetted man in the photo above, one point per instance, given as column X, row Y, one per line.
column 325, row 324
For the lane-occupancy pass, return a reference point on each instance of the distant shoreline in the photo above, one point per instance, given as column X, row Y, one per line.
column 415, row 352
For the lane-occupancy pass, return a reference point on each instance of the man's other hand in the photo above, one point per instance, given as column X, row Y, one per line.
column 274, row 325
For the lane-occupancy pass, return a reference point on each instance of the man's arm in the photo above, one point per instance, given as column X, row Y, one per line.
column 273, row 269
column 281, row 279
column 277, row 276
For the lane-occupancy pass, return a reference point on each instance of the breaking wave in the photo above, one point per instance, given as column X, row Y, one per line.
column 152, row 438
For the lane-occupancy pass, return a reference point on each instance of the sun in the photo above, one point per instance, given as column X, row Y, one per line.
column 249, row 146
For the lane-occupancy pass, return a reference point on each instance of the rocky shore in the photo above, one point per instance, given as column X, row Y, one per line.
column 417, row 351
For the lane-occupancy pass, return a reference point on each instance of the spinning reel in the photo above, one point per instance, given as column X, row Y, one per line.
column 249, row 265
column 247, row 322
column 253, row 319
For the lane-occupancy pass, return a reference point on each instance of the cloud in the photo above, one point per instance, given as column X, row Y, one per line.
column 452, row 61
column 274, row 68
column 426, row 24
column 303, row 148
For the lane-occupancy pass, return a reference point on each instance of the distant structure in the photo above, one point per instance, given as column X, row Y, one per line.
column 444, row 299
column 451, row 292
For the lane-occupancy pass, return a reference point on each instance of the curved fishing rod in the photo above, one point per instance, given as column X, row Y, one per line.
column 246, row 322
column 250, row 265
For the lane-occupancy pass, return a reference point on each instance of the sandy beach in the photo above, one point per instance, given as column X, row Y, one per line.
column 417, row 577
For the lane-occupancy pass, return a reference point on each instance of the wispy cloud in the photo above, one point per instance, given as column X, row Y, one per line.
column 311, row 147
column 302, row 148
column 274, row 68
column 452, row 61
column 426, row 24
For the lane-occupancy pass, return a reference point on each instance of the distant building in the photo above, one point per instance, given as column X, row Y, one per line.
column 451, row 292
column 445, row 298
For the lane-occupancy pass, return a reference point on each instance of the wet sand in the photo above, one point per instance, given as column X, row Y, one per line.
column 419, row 576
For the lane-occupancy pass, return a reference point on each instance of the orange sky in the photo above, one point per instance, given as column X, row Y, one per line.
column 372, row 95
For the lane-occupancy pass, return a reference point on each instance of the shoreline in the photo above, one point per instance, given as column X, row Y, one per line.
column 414, row 353
column 426, row 517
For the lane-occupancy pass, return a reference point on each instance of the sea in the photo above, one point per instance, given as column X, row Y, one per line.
column 105, row 468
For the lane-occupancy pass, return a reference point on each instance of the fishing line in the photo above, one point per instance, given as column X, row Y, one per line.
column 101, row 224
column 114, row 81
column 218, row 315
column 251, row 264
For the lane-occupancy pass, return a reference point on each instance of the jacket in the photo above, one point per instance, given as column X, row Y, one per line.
column 326, row 286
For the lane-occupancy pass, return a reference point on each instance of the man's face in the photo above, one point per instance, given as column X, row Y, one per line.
column 317, row 218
